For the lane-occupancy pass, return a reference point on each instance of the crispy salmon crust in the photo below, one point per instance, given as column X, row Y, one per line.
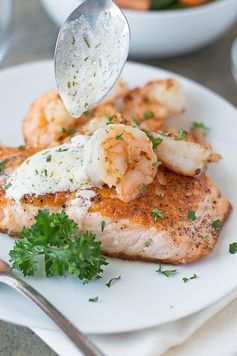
column 173, row 239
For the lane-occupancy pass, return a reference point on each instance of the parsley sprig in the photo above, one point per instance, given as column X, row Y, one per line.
column 56, row 237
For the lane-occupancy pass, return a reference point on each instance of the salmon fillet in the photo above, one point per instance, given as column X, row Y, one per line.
column 130, row 230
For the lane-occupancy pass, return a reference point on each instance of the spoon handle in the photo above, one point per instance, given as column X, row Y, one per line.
column 76, row 336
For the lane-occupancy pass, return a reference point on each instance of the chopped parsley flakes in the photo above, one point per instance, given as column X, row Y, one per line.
column 86, row 42
column 157, row 214
column 217, row 224
column 143, row 188
column 233, row 248
column 48, row 158
column 72, row 132
column 62, row 149
column 200, row 126
column 102, row 225
column 167, row 272
column 2, row 165
column 185, row 279
column 119, row 137
column 7, row 186
column 148, row 115
column 157, row 164
column 112, row 280
column 148, row 242
column 109, row 120
column 181, row 135
column 192, row 215
column 156, row 141
column 62, row 131
column 93, row 300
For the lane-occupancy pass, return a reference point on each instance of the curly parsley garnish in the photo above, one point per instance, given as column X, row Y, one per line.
column 112, row 280
column 167, row 272
column 157, row 214
column 65, row 251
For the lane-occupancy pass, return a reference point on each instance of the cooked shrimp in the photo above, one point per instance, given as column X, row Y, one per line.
column 120, row 156
column 167, row 92
column 182, row 155
column 46, row 121
column 103, row 119
column 119, row 91
column 148, row 114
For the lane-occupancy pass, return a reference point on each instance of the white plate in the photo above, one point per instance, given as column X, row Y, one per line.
column 142, row 298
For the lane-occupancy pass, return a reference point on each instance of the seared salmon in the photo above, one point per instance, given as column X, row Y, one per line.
column 131, row 230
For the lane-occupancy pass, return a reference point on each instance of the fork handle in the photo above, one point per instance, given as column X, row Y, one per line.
column 76, row 336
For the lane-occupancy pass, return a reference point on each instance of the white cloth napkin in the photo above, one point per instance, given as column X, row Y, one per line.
column 213, row 331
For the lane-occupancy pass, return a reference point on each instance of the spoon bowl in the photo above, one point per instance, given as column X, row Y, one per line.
column 91, row 50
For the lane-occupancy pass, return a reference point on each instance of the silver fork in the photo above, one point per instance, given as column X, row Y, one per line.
column 82, row 341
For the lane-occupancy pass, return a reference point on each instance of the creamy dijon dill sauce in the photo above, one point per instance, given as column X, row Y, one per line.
column 88, row 61
column 53, row 170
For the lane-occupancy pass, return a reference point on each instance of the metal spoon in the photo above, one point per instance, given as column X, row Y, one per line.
column 76, row 336
column 91, row 50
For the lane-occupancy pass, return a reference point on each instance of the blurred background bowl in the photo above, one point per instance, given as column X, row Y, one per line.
column 165, row 33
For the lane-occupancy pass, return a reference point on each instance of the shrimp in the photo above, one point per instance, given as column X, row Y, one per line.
column 119, row 91
column 166, row 92
column 146, row 113
column 122, row 157
column 46, row 121
column 103, row 119
column 182, row 156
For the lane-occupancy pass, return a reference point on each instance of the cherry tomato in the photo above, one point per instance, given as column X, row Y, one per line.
column 193, row 2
